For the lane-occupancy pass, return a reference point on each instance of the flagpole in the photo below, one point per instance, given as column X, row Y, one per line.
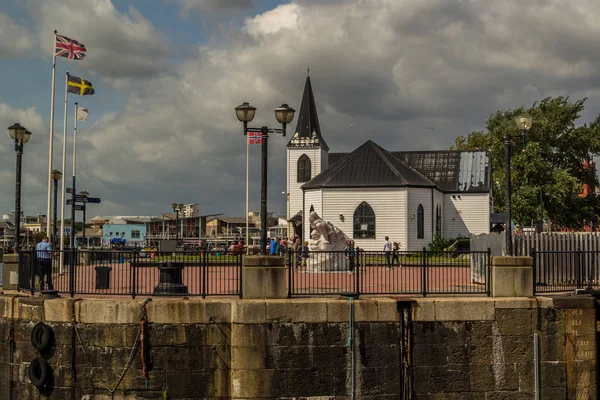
column 50, row 147
column 75, row 138
column 64, row 170
column 247, row 181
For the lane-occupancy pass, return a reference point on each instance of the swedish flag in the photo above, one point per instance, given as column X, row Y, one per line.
column 80, row 86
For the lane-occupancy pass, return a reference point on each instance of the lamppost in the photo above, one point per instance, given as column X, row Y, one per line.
column 284, row 114
column 176, row 208
column 86, row 195
column 21, row 136
column 56, row 176
column 524, row 124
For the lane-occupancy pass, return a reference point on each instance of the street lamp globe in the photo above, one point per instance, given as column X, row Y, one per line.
column 84, row 193
column 17, row 132
column 56, row 175
column 174, row 206
column 284, row 114
column 524, row 122
column 245, row 112
column 180, row 206
column 27, row 136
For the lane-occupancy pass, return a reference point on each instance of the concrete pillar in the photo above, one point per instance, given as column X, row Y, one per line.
column 512, row 276
column 10, row 272
column 263, row 277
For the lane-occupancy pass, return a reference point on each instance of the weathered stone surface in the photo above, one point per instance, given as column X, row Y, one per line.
column 512, row 322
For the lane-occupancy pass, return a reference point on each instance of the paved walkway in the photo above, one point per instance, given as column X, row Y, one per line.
column 224, row 280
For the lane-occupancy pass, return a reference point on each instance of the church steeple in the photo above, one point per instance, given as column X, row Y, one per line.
column 308, row 131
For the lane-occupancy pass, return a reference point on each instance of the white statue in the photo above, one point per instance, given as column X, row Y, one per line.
column 327, row 244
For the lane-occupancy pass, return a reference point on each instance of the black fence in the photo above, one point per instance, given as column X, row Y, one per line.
column 131, row 273
column 562, row 271
column 376, row 272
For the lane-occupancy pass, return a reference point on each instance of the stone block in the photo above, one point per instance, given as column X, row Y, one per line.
column 284, row 357
column 496, row 377
column 439, row 379
column 326, row 334
column 10, row 272
column 167, row 335
column 423, row 310
column 167, row 311
column 365, row 310
column 553, row 374
column 515, row 303
column 464, row 310
column 387, row 310
column 29, row 308
column 59, row 310
column 264, row 277
column 109, row 311
column 219, row 384
column 248, row 334
column 514, row 322
column 249, row 312
column 512, row 280
column 338, row 311
column 217, row 311
column 253, row 384
column 248, row 357
column 301, row 310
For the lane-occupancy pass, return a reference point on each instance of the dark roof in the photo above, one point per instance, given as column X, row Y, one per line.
column 461, row 171
column 308, row 121
column 296, row 218
column 229, row 220
column 452, row 170
column 369, row 166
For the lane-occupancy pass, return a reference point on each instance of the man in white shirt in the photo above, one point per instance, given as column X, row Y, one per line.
column 387, row 248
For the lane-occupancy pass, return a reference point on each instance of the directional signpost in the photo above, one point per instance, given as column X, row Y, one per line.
column 78, row 202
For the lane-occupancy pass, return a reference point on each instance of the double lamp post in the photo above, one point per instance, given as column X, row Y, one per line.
column 20, row 135
column 524, row 124
column 284, row 115
column 177, row 208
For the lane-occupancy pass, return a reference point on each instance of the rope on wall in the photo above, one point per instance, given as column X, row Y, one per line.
column 129, row 361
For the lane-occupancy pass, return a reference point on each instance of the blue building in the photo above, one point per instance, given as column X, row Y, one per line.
column 134, row 234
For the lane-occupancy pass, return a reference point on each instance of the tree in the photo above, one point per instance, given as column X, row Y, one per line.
column 551, row 163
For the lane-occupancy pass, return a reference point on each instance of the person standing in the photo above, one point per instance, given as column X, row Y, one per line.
column 44, row 263
column 350, row 254
column 304, row 254
column 387, row 248
column 396, row 255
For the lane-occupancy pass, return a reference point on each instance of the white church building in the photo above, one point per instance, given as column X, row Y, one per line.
column 371, row 192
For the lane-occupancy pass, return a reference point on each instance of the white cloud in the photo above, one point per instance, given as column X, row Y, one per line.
column 119, row 44
column 390, row 67
column 16, row 39
column 202, row 7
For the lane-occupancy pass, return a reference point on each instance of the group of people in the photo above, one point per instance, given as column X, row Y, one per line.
column 391, row 250
column 278, row 247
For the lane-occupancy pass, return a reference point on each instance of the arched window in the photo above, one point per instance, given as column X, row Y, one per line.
column 438, row 219
column 303, row 168
column 364, row 222
column 420, row 223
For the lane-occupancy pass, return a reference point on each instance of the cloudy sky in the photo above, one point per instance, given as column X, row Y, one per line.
column 168, row 73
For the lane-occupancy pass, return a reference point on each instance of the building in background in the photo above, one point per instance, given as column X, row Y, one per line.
column 189, row 211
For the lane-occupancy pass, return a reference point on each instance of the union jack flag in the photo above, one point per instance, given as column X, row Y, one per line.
column 69, row 48
column 255, row 137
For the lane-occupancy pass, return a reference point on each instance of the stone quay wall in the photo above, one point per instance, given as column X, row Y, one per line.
column 451, row 348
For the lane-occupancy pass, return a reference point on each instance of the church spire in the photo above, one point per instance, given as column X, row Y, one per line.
column 308, row 131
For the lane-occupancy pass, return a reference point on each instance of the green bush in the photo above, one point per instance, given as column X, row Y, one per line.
column 439, row 244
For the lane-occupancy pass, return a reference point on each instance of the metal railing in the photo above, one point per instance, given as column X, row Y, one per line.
column 561, row 271
column 131, row 273
column 396, row 273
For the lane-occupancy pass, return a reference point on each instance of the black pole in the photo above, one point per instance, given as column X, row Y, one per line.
column 177, row 225
column 83, row 233
column 19, row 150
column 509, row 251
column 263, row 190
column 73, row 218
column 55, row 236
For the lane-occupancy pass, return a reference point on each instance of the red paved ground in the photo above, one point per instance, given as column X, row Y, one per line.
column 225, row 280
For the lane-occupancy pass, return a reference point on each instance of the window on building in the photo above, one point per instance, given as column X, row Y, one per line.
column 420, row 222
column 304, row 168
column 135, row 234
column 438, row 220
column 364, row 222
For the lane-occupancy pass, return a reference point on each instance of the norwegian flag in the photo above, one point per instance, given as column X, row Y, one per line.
column 255, row 137
column 69, row 48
